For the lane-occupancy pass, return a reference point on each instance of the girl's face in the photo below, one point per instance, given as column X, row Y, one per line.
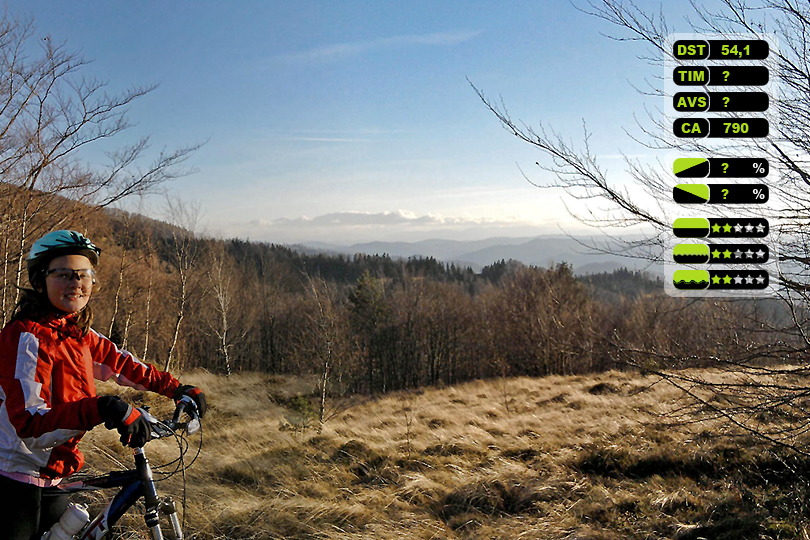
column 69, row 282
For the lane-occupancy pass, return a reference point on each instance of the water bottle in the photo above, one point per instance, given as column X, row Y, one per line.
column 71, row 522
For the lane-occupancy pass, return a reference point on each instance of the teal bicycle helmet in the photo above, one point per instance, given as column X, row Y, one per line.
column 58, row 243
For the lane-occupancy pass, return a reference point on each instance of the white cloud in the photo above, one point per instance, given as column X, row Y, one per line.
column 349, row 227
column 366, row 219
column 327, row 139
column 336, row 51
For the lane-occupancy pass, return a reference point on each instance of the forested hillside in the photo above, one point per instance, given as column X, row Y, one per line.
column 371, row 323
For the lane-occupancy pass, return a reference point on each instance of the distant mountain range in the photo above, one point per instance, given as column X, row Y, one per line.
column 536, row 251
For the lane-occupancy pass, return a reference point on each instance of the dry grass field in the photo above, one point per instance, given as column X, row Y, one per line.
column 576, row 458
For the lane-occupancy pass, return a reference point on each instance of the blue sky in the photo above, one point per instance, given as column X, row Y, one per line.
column 354, row 120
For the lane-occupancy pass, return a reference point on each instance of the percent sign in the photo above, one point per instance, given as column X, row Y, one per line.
column 759, row 194
column 760, row 168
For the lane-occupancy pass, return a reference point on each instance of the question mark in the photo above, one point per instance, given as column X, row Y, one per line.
column 726, row 99
column 725, row 193
column 725, row 168
column 725, row 76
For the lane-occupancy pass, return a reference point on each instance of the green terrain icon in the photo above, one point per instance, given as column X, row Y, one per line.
column 691, row 279
column 691, row 253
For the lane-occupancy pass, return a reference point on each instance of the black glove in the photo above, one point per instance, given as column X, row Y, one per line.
column 194, row 393
column 130, row 423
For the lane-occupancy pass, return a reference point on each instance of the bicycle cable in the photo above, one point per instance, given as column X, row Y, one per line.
column 183, row 447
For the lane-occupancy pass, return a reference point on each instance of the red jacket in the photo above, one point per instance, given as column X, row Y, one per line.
column 48, row 396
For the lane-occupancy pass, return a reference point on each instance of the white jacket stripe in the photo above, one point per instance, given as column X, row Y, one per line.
column 26, row 372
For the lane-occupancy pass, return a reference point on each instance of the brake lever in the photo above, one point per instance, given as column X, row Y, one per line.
column 157, row 428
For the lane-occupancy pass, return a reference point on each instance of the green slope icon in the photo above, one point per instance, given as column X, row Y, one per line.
column 691, row 167
column 691, row 193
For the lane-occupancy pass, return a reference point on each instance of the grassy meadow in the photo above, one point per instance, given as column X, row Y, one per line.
column 578, row 458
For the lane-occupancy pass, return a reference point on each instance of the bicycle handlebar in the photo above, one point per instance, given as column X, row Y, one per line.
column 168, row 428
column 159, row 429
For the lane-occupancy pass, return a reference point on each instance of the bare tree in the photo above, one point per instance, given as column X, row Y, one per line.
column 221, row 291
column 184, row 257
column 151, row 264
column 125, row 261
column 233, row 310
column 49, row 112
column 765, row 363
column 328, row 338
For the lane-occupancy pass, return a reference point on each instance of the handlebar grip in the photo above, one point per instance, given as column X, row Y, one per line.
column 187, row 405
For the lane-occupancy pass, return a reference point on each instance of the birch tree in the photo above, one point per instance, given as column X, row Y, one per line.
column 184, row 253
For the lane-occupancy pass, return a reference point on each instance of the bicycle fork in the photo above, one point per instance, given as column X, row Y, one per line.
column 154, row 506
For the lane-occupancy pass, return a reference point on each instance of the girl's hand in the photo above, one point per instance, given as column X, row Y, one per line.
column 194, row 393
column 130, row 423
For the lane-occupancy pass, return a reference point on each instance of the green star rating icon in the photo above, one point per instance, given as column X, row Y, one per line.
column 716, row 254
column 727, row 228
column 728, row 279
column 726, row 254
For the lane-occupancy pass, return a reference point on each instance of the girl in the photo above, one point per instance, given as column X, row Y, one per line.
column 49, row 356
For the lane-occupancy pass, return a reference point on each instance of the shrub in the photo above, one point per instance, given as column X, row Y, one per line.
column 491, row 497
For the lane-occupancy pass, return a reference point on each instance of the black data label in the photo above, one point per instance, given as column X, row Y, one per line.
column 720, row 76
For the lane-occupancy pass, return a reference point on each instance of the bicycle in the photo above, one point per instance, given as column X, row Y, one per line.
column 139, row 482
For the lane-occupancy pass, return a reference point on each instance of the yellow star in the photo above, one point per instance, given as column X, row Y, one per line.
column 716, row 227
column 727, row 228
column 727, row 279
column 726, row 254
column 716, row 280
column 716, row 254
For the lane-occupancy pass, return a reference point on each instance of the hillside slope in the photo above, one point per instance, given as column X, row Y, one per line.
column 550, row 458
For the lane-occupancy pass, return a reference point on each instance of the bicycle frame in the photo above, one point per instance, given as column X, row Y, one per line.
column 134, row 483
